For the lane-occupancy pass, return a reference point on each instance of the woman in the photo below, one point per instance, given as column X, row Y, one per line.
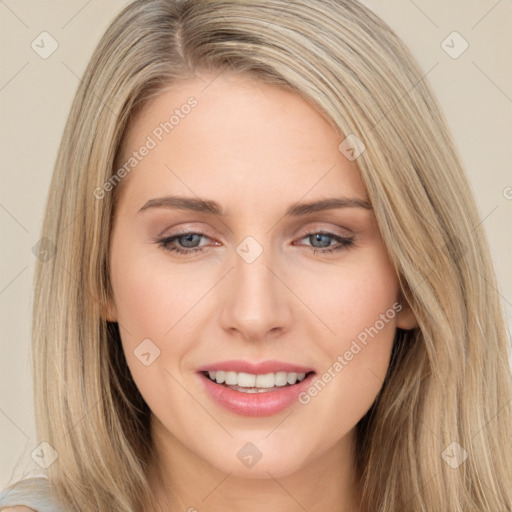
column 195, row 347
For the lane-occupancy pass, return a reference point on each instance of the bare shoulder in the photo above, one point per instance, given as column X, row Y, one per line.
column 18, row 508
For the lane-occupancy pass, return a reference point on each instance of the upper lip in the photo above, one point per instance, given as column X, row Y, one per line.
column 261, row 368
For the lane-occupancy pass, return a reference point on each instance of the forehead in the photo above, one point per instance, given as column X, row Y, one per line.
column 231, row 136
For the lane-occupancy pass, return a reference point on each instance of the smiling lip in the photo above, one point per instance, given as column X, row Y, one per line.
column 255, row 404
column 270, row 366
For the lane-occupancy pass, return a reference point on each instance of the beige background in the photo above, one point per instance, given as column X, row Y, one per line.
column 475, row 91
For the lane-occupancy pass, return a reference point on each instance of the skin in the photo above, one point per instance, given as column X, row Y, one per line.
column 256, row 149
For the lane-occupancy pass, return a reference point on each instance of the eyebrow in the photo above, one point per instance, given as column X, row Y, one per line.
column 214, row 208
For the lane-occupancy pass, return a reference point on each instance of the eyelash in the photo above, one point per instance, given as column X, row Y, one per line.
column 344, row 243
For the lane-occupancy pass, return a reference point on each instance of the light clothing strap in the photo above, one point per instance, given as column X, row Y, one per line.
column 32, row 492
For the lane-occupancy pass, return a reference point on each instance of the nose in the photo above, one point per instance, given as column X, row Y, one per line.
column 256, row 302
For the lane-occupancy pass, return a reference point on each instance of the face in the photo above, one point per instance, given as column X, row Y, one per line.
column 294, row 307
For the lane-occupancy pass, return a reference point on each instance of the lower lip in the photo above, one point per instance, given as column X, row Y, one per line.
column 255, row 404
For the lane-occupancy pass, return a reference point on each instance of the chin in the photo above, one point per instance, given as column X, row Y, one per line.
column 245, row 460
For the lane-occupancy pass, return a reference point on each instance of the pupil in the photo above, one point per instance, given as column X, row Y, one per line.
column 187, row 238
column 318, row 236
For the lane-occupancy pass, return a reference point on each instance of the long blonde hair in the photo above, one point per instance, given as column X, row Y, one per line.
column 449, row 381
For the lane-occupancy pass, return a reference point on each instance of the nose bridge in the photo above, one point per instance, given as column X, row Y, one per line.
column 256, row 301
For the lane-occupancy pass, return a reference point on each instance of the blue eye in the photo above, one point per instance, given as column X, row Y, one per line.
column 190, row 240
column 343, row 242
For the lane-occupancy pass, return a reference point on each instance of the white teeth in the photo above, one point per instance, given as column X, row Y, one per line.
column 231, row 378
column 291, row 377
column 249, row 380
column 281, row 378
column 246, row 380
column 268, row 380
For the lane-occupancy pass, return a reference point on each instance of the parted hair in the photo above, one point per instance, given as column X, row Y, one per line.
column 449, row 380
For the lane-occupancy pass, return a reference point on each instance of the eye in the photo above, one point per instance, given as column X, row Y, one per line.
column 188, row 239
column 189, row 242
column 322, row 238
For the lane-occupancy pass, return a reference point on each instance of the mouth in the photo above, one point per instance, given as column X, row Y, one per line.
column 255, row 389
column 256, row 383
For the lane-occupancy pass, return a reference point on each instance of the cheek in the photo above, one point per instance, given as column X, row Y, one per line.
column 359, row 306
column 160, row 302
column 356, row 299
column 153, row 298
column 155, row 308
